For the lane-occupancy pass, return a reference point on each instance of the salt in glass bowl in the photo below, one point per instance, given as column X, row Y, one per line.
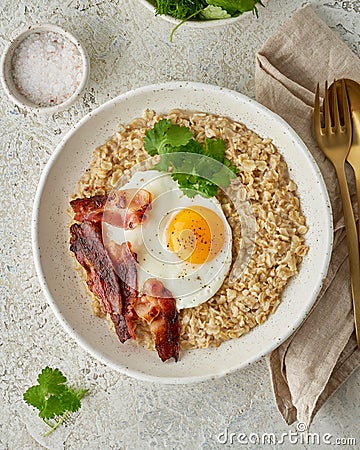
column 7, row 78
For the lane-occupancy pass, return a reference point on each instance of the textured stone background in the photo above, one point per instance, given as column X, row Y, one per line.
column 128, row 48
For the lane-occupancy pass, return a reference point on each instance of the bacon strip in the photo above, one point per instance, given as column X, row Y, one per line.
column 112, row 272
column 124, row 261
column 158, row 307
column 125, row 209
column 90, row 209
column 87, row 245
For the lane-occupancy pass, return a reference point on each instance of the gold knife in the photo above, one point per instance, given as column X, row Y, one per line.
column 353, row 157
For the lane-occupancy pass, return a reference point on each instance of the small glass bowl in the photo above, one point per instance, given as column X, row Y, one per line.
column 8, row 82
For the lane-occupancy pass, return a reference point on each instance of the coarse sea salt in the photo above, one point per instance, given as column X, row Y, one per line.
column 46, row 68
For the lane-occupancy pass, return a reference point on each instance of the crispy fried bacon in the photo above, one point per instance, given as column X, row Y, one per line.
column 125, row 209
column 90, row 209
column 158, row 308
column 112, row 273
column 87, row 245
column 124, row 261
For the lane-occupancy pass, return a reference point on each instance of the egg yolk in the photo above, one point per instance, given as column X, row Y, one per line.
column 196, row 234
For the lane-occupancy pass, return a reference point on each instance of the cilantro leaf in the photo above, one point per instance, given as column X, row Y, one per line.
column 53, row 398
column 177, row 135
column 165, row 164
column 183, row 180
column 197, row 168
column 35, row 396
column 155, row 136
column 192, row 147
column 223, row 177
column 81, row 392
column 51, row 381
column 231, row 167
column 192, row 185
column 70, row 401
column 179, row 160
column 51, row 408
column 165, row 135
column 215, row 148
column 206, row 187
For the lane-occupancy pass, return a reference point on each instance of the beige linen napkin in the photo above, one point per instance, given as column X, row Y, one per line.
column 322, row 353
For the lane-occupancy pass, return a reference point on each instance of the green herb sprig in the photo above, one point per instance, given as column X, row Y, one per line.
column 53, row 398
column 198, row 168
column 185, row 10
column 180, row 9
column 236, row 7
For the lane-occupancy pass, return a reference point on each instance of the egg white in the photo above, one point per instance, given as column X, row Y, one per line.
column 190, row 284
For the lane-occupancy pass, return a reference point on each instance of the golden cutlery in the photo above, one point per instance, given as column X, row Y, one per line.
column 353, row 157
column 334, row 139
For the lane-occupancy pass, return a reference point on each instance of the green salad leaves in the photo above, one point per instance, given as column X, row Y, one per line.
column 198, row 169
column 185, row 10
column 53, row 398
column 205, row 9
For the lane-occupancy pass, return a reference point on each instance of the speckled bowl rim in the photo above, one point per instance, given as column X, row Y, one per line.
column 325, row 246
column 5, row 62
column 194, row 23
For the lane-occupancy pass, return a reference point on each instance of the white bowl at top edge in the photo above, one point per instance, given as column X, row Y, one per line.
column 7, row 79
column 193, row 23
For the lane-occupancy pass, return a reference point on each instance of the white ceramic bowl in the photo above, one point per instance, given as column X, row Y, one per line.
column 193, row 23
column 62, row 284
column 7, row 77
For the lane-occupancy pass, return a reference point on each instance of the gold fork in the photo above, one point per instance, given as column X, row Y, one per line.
column 335, row 140
column 353, row 157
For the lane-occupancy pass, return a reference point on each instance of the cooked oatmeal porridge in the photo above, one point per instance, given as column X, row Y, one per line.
column 279, row 245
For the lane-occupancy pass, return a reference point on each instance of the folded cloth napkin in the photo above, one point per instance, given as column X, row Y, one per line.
column 322, row 353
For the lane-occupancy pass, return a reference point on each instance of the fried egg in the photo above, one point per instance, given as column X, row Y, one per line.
column 184, row 242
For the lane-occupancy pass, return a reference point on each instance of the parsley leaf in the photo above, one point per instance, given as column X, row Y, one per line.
column 53, row 398
column 198, row 169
